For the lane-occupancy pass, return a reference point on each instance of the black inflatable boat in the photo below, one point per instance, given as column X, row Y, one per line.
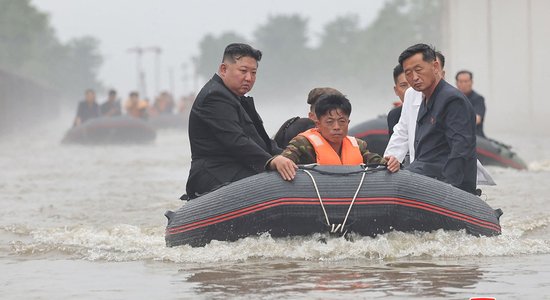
column 168, row 121
column 334, row 199
column 111, row 130
column 489, row 152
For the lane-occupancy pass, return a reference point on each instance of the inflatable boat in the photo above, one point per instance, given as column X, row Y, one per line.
column 374, row 132
column 329, row 199
column 111, row 130
column 167, row 121
column 489, row 152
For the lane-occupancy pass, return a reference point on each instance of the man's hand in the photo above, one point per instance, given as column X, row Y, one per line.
column 392, row 163
column 285, row 167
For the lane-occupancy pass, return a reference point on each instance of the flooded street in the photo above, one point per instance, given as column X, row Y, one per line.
column 87, row 223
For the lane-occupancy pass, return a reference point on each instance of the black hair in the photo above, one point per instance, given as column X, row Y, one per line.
column 329, row 102
column 398, row 70
column 464, row 72
column 441, row 58
column 236, row 51
column 428, row 53
column 112, row 92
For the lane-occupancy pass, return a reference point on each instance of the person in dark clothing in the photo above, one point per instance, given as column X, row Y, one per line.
column 294, row 126
column 111, row 107
column 291, row 128
column 227, row 136
column 401, row 85
column 445, row 138
column 87, row 109
column 464, row 82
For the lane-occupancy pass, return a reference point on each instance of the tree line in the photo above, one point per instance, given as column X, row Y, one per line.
column 348, row 56
column 30, row 48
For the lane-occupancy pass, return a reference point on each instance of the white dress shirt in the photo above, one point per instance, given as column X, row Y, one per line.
column 402, row 140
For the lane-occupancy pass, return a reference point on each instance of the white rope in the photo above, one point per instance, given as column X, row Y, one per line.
column 338, row 226
column 353, row 200
column 318, row 195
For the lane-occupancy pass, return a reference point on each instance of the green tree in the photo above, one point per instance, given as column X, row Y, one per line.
column 211, row 51
column 286, row 59
column 30, row 48
column 82, row 61
column 339, row 56
column 401, row 23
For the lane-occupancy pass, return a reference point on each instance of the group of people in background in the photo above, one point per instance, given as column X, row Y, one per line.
column 134, row 106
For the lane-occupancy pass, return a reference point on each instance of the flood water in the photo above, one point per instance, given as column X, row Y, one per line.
column 87, row 223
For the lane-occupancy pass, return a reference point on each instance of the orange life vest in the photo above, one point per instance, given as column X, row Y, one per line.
column 351, row 155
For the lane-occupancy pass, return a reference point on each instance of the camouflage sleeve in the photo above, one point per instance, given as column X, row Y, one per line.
column 300, row 151
column 369, row 157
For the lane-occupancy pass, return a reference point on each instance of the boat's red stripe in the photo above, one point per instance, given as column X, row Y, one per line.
column 499, row 158
column 332, row 201
column 372, row 132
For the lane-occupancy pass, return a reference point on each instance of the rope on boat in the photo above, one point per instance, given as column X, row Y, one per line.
column 335, row 227
column 353, row 200
column 318, row 195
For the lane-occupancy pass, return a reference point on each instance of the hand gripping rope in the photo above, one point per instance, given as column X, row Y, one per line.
column 334, row 228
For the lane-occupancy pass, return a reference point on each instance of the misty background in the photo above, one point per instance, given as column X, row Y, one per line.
column 51, row 51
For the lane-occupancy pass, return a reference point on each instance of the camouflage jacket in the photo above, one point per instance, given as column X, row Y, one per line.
column 301, row 152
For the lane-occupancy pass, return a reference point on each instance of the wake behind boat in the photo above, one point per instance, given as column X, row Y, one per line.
column 335, row 199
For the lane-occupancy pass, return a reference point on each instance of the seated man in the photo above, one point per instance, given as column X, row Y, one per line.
column 111, row 107
column 445, row 140
column 401, row 85
column 136, row 107
column 227, row 136
column 328, row 143
column 292, row 127
column 87, row 109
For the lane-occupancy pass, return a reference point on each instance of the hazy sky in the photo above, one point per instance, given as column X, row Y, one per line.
column 177, row 27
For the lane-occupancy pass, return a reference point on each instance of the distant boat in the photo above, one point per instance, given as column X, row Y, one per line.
column 489, row 152
column 111, row 130
column 329, row 199
column 166, row 121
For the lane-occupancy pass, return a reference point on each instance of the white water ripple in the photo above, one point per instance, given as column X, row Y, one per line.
column 124, row 242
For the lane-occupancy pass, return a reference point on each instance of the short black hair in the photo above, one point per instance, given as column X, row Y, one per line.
column 236, row 51
column 464, row 72
column 428, row 53
column 398, row 70
column 330, row 102
column 112, row 92
column 441, row 58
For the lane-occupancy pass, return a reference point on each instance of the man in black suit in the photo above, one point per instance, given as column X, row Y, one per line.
column 227, row 136
column 445, row 138
column 401, row 85
column 464, row 82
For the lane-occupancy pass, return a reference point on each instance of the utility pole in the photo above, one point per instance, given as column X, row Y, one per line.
column 141, row 82
column 185, row 76
column 139, row 70
column 157, row 51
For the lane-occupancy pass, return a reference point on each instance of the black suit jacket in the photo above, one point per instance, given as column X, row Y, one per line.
column 478, row 102
column 445, row 138
column 227, row 137
column 393, row 118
